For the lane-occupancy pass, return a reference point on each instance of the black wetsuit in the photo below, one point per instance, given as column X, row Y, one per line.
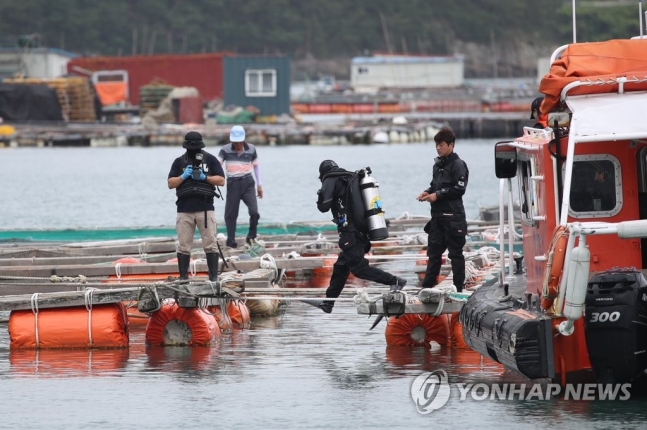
column 448, row 226
column 353, row 242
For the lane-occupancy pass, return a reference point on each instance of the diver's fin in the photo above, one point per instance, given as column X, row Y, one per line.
column 376, row 322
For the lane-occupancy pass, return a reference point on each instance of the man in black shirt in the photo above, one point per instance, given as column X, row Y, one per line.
column 195, row 176
column 448, row 226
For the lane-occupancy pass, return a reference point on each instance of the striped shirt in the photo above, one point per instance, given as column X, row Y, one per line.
column 238, row 165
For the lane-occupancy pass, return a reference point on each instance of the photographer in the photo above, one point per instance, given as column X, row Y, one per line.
column 195, row 176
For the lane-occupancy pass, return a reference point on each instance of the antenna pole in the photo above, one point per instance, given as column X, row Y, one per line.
column 574, row 29
column 640, row 15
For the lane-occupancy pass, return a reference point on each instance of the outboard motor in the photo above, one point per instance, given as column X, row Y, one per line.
column 374, row 214
column 615, row 325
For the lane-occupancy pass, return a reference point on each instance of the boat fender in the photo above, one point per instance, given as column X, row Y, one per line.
column 578, row 278
column 554, row 267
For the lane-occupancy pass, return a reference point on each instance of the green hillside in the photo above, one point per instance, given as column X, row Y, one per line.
column 321, row 28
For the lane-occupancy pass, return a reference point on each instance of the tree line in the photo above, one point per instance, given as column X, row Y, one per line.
column 304, row 28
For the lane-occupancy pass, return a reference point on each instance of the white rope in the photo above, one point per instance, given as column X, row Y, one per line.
column 405, row 215
column 193, row 266
column 268, row 262
column 338, row 299
column 292, row 254
column 118, row 271
column 142, row 249
column 34, row 309
column 88, row 307
column 397, row 257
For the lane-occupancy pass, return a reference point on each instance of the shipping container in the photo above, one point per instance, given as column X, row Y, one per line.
column 201, row 71
column 262, row 81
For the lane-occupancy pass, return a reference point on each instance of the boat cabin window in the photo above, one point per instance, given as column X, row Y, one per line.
column 596, row 189
column 527, row 189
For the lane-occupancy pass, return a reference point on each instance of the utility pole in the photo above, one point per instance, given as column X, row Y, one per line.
column 385, row 30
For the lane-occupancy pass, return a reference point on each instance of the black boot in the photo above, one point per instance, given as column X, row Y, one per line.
column 212, row 265
column 183, row 262
column 324, row 305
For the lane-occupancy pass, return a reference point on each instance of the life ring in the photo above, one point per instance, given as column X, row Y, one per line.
column 554, row 267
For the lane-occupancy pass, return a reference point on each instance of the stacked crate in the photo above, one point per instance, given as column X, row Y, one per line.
column 151, row 95
column 74, row 95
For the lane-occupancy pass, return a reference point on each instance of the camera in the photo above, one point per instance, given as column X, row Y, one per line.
column 197, row 164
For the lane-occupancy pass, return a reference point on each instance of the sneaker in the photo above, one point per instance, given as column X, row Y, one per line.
column 250, row 241
column 232, row 245
column 399, row 284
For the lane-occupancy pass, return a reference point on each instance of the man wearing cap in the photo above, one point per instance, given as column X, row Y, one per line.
column 194, row 176
column 535, row 113
column 240, row 159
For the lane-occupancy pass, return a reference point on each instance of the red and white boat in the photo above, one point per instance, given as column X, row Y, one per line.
column 578, row 310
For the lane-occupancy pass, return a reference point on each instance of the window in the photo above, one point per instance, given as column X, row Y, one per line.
column 596, row 187
column 527, row 189
column 260, row 83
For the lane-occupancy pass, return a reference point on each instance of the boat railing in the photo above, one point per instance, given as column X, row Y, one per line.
column 557, row 53
column 538, row 133
column 620, row 81
column 574, row 280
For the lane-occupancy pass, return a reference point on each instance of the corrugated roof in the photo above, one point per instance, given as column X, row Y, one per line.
column 402, row 59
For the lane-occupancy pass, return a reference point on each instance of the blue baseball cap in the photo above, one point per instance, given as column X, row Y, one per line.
column 237, row 134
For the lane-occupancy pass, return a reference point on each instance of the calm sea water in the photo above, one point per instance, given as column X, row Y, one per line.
column 304, row 369
column 126, row 187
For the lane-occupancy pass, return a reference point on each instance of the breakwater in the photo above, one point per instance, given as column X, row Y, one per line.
column 311, row 130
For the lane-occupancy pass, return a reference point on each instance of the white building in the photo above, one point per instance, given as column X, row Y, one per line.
column 403, row 71
column 543, row 67
column 34, row 62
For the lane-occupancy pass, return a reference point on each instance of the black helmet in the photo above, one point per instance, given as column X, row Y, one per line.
column 193, row 140
column 325, row 167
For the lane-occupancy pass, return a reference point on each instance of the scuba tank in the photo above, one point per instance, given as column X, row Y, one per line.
column 373, row 212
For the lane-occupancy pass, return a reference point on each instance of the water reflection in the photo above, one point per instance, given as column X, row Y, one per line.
column 67, row 362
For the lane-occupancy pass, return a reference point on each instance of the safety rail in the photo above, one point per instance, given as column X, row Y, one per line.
column 620, row 81
column 574, row 279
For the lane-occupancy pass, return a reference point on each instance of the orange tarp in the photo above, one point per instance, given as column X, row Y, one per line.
column 598, row 61
column 111, row 92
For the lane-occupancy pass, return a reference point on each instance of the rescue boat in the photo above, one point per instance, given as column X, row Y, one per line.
column 575, row 308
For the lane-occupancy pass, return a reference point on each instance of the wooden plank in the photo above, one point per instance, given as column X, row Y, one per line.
column 109, row 294
column 414, row 308
column 149, row 268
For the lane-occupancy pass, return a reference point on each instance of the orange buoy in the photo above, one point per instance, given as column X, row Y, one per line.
column 135, row 318
column 326, row 269
column 239, row 314
column 417, row 330
column 223, row 320
column 103, row 326
column 173, row 325
column 128, row 260
column 456, row 331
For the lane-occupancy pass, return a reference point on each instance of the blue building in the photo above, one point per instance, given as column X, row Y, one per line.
column 262, row 81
